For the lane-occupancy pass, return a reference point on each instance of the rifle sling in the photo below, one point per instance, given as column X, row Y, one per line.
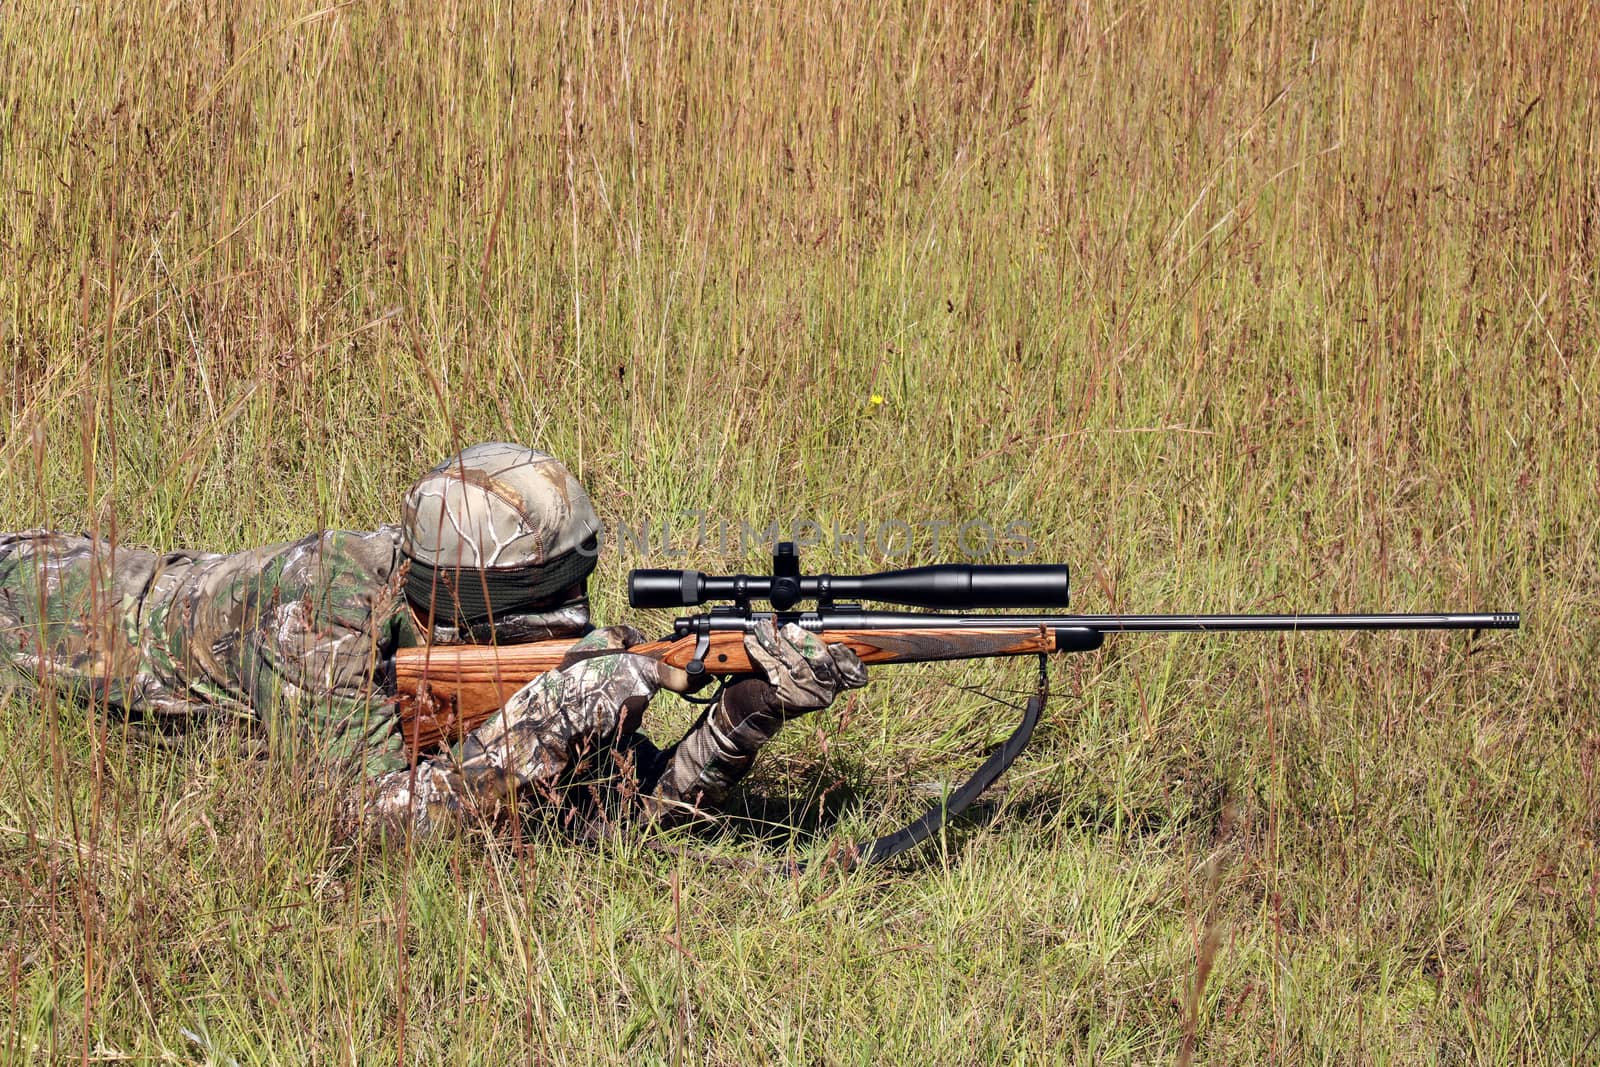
column 1000, row 760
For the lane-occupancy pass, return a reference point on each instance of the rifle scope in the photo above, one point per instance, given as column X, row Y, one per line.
column 952, row 586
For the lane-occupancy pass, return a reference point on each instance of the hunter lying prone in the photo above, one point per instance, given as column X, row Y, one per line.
column 494, row 545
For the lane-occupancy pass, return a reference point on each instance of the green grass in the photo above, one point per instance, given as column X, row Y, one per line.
column 1239, row 308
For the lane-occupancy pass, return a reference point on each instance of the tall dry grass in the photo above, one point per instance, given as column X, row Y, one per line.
column 1241, row 307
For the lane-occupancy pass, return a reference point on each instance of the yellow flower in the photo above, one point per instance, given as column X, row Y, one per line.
column 876, row 399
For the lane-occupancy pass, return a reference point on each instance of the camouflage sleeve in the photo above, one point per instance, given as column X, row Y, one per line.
column 802, row 674
column 293, row 635
column 549, row 729
column 72, row 620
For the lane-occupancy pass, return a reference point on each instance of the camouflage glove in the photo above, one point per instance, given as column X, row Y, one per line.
column 803, row 673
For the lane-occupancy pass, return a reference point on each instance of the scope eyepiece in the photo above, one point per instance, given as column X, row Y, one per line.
column 665, row 589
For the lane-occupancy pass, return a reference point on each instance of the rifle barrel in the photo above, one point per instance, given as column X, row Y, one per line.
column 893, row 620
column 1211, row 623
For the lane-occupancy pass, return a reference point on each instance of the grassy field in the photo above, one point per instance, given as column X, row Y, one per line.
column 1240, row 308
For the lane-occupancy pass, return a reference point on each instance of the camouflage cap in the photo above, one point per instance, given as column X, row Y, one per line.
column 503, row 529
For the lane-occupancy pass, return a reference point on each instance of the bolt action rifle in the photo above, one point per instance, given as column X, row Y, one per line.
column 447, row 690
